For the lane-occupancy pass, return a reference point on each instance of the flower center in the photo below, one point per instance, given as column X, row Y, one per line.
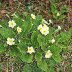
column 29, row 49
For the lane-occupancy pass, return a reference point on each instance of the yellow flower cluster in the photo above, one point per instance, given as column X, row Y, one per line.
column 12, row 24
column 43, row 28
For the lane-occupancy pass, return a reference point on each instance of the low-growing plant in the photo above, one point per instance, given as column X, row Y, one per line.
column 33, row 41
column 58, row 13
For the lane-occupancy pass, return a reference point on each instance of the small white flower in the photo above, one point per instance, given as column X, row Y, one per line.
column 45, row 26
column 48, row 54
column 39, row 27
column 10, row 41
column 19, row 29
column 33, row 16
column 53, row 41
column 43, row 29
column 30, row 50
column 58, row 14
column 12, row 23
column 50, row 21
column 59, row 27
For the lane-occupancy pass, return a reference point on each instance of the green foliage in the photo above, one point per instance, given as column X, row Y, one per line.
column 43, row 65
column 2, row 48
column 31, row 37
column 34, row 39
column 58, row 14
column 38, row 56
column 56, row 53
column 7, row 32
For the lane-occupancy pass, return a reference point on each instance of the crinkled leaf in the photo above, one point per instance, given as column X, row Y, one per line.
column 7, row 32
column 42, row 42
column 38, row 56
column 27, row 68
column 34, row 38
column 26, row 57
column 43, row 65
column 64, row 37
column 56, row 53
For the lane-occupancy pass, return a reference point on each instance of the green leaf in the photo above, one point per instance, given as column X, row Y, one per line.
column 57, row 57
column 27, row 68
column 51, row 69
column 26, row 57
column 50, row 35
column 43, row 65
column 26, row 27
column 53, row 6
column 7, row 32
column 2, row 48
column 56, row 53
column 42, row 42
column 40, row 39
column 38, row 56
column 35, row 68
column 18, row 20
column 34, row 38
column 51, row 62
column 36, row 22
column 63, row 37
column 4, row 23
column 14, row 52
column 63, row 9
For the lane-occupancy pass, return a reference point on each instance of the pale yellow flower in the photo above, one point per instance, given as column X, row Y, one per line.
column 33, row 16
column 45, row 26
column 58, row 14
column 39, row 27
column 19, row 29
column 43, row 29
column 48, row 54
column 53, row 41
column 12, row 23
column 30, row 50
column 59, row 27
column 10, row 41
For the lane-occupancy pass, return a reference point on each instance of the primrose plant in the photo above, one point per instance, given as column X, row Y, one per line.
column 58, row 13
column 33, row 41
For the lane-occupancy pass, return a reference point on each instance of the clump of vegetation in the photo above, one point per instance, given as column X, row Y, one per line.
column 32, row 41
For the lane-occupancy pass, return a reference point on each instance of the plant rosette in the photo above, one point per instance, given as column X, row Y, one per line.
column 32, row 40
